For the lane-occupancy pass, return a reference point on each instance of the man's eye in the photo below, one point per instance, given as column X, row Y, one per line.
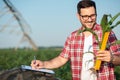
column 85, row 16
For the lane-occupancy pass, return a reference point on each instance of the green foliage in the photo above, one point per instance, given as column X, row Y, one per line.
column 88, row 29
column 64, row 71
column 11, row 59
column 117, row 72
column 107, row 22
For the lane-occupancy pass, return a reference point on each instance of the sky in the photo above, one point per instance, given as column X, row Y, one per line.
column 50, row 21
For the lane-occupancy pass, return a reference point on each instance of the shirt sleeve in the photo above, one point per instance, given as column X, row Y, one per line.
column 115, row 49
column 66, row 49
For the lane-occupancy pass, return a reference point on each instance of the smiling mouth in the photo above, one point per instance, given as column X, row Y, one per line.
column 89, row 24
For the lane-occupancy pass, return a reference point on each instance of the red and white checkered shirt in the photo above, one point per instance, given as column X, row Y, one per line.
column 73, row 50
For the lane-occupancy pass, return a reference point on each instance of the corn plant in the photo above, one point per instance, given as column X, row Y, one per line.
column 106, row 28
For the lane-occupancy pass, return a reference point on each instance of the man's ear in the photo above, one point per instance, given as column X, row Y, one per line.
column 78, row 16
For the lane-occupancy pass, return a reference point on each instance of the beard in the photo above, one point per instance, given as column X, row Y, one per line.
column 88, row 24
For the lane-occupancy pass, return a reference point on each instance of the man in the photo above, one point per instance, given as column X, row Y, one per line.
column 78, row 48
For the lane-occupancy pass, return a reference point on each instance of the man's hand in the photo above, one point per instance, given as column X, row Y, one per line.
column 37, row 64
column 104, row 56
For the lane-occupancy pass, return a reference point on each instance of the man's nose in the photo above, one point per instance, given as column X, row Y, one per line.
column 89, row 18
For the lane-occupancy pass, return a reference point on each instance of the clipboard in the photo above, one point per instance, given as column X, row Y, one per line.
column 25, row 67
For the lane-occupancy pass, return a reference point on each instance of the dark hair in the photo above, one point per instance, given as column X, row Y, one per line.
column 85, row 4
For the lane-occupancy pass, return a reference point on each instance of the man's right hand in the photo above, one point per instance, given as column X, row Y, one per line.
column 37, row 64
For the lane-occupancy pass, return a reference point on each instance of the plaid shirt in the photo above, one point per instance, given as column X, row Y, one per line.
column 73, row 50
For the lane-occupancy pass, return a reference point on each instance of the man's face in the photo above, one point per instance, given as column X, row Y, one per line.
column 87, row 17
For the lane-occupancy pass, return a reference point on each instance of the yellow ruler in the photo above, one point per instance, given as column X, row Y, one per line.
column 103, row 47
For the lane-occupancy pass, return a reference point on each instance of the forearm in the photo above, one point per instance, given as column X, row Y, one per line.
column 54, row 63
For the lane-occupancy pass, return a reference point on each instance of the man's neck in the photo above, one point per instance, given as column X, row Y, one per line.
column 87, row 33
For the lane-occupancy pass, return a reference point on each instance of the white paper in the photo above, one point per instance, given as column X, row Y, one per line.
column 41, row 70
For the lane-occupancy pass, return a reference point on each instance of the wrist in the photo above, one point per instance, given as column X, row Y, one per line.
column 43, row 64
column 112, row 58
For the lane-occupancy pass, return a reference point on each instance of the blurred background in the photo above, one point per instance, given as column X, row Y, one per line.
column 46, row 22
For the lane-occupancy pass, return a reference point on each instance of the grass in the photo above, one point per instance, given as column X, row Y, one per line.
column 10, row 59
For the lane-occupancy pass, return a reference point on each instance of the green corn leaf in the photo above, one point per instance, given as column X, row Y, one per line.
column 96, row 36
column 113, row 18
column 115, row 25
column 104, row 21
column 106, row 25
column 80, row 31
column 108, row 28
column 88, row 29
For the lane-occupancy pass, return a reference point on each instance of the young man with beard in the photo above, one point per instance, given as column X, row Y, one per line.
column 77, row 47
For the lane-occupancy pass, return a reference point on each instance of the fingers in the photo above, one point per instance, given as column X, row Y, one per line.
column 104, row 56
column 36, row 64
column 33, row 64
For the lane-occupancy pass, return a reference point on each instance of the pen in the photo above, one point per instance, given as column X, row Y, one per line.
column 34, row 59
